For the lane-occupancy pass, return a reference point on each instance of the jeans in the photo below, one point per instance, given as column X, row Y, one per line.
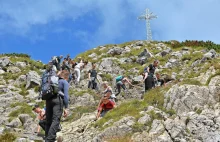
column 54, row 110
column 118, row 87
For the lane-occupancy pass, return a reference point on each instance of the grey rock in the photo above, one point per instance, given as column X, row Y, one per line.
column 13, row 69
column 15, row 123
column 211, row 54
column 145, row 53
column 33, row 79
column 24, row 118
column 2, row 71
column 141, row 60
column 85, row 100
column 20, row 80
column 137, row 79
column 93, row 55
column 215, row 81
column 4, row 62
column 21, row 64
column 139, row 43
column 115, row 51
column 2, row 129
column 145, row 119
column 157, row 127
column 185, row 98
column 165, row 52
column 8, row 98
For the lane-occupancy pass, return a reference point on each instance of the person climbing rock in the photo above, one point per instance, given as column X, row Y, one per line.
column 106, row 106
column 120, row 83
column 78, row 69
column 41, row 116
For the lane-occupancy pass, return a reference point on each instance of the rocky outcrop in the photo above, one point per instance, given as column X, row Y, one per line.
column 33, row 79
column 4, row 62
column 187, row 98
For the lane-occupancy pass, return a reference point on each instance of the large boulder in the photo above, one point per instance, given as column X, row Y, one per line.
column 211, row 54
column 203, row 77
column 187, row 98
column 4, row 62
column 85, row 100
column 215, row 81
column 115, row 51
column 8, row 98
column 20, row 80
column 119, row 129
column 108, row 65
column 15, row 123
column 13, row 69
column 145, row 53
column 24, row 118
column 141, row 60
column 21, row 64
column 33, row 79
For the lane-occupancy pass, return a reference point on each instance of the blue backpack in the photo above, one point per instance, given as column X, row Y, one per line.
column 50, row 85
column 119, row 78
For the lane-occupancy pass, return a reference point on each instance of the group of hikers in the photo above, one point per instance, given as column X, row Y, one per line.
column 55, row 85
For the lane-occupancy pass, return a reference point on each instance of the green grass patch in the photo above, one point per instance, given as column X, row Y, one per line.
column 8, row 137
column 78, row 112
column 190, row 82
column 24, row 109
column 106, row 77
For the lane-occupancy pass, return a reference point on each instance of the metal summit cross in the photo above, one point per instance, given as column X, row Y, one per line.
column 148, row 16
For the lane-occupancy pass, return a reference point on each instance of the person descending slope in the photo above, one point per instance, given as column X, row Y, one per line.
column 92, row 77
column 120, row 83
column 150, row 70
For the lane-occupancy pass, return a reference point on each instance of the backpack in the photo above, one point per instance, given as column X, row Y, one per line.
column 119, row 78
column 50, row 85
column 145, row 69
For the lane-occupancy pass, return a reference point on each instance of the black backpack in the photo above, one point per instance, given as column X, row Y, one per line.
column 49, row 85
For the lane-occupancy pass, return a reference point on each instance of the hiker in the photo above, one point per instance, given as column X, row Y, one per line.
column 65, row 65
column 55, row 105
column 150, row 70
column 77, row 70
column 68, row 57
column 107, row 93
column 92, row 77
column 106, row 106
column 41, row 117
column 160, row 82
column 148, row 81
column 56, row 61
column 120, row 83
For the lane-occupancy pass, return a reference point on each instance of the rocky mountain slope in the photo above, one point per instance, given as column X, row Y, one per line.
column 187, row 109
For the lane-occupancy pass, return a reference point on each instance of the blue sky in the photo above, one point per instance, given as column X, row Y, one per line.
column 43, row 28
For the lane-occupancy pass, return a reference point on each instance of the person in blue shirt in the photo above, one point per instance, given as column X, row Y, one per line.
column 54, row 108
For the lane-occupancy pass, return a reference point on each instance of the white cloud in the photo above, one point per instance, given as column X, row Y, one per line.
column 182, row 19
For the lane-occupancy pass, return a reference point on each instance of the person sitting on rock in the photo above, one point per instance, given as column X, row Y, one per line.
column 106, row 106
column 120, row 83
column 41, row 117
column 160, row 82
column 150, row 70
column 92, row 77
